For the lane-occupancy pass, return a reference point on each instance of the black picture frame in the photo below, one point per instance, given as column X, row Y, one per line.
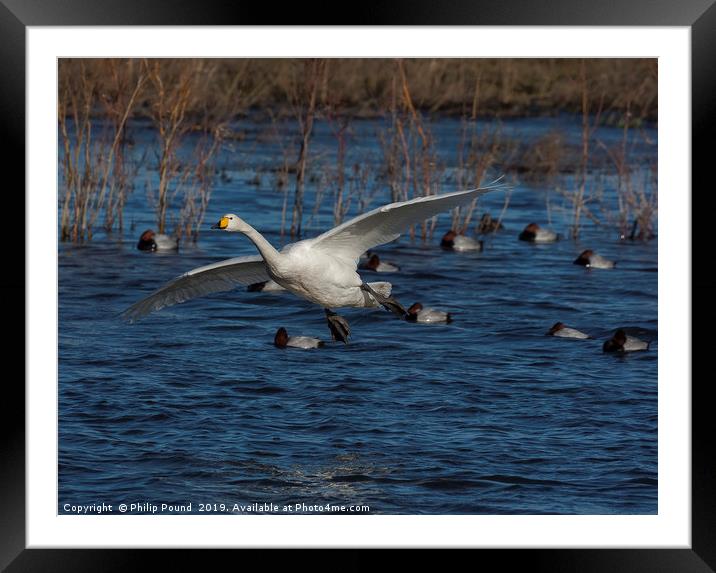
column 699, row 15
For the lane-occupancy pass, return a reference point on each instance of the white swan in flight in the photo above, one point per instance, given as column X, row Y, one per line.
column 322, row 270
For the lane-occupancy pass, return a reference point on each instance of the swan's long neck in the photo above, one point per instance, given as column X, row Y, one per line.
column 265, row 248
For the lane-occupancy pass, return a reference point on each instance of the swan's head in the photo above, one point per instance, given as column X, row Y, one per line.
column 231, row 223
column 556, row 328
column 281, row 338
column 616, row 342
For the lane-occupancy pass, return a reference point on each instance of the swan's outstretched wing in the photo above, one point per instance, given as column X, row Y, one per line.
column 217, row 277
column 384, row 224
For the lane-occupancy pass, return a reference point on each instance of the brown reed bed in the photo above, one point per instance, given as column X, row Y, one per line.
column 364, row 87
column 199, row 99
column 93, row 168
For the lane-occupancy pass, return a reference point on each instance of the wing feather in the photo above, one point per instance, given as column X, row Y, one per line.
column 384, row 224
column 217, row 277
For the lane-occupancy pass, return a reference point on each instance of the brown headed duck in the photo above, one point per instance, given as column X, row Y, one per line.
column 562, row 330
column 489, row 225
column 150, row 241
column 622, row 342
column 283, row 340
column 451, row 240
column 376, row 265
column 533, row 233
column 416, row 313
column 592, row 260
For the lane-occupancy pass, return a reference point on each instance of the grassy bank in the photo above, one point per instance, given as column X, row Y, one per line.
column 369, row 87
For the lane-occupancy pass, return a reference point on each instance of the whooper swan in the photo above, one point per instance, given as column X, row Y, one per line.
column 322, row 270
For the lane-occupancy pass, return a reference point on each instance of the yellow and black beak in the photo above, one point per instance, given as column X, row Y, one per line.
column 222, row 224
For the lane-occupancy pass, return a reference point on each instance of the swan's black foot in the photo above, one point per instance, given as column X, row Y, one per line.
column 338, row 326
column 388, row 303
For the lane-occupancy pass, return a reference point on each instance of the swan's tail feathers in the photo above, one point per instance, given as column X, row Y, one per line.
column 382, row 288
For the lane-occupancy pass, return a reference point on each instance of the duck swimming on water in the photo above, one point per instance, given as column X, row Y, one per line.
column 622, row 342
column 533, row 233
column 151, row 241
column 489, row 225
column 322, row 270
column 592, row 260
column 451, row 240
column 417, row 313
column 375, row 264
column 283, row 340
column 561, row 330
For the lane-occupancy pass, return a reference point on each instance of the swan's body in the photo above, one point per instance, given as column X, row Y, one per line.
column 318, row 277
column 322, row 270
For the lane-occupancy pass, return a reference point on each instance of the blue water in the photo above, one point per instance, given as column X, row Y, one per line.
column 485, row 415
